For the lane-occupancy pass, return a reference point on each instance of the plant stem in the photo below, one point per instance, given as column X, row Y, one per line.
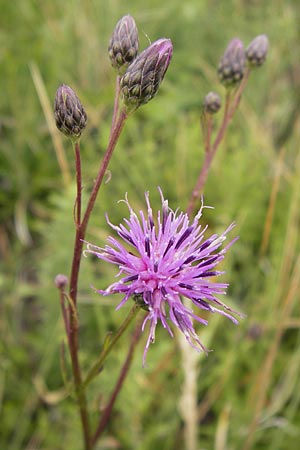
column 208, row 134
column 116, row 102
column 72, row 330
column 79, row 183
column 123, row 373
column 80, row 232
column 80, row 395
column 209, row 155
column 108, row 154
column 93, row 372
column 210, row 150
column 71, row 327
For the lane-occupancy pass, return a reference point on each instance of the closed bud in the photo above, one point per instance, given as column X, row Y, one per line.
column 232, row 64
column 61, row 281
column 257, row 50
column 124, row 44
column 70, row 116
column 212, row 103
column 141, row 80
column 139, row 300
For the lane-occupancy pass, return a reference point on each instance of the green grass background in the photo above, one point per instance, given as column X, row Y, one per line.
column 248, row 388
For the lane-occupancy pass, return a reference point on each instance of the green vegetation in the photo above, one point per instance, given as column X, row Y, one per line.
column 248, row 389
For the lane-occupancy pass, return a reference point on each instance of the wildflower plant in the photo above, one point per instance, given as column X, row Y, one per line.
column 164, row 257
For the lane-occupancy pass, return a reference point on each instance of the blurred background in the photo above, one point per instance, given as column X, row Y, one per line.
column 248, row 388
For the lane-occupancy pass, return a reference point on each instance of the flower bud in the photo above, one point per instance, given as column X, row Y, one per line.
column 124, row 44
column 257, row 50
column 139, row 300
column 232, row 64
column 141, row 80
column 61, row 281
column 212, row 103
column 70, row 116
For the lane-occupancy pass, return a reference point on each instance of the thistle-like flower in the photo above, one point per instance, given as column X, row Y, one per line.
column 124, row 44
column 257, row 50
column 70, row 116
column 141, row 80
column 212, row 103
column 169, row 259
column 232, row 64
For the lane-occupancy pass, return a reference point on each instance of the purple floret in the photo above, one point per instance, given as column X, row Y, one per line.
column 168, row 259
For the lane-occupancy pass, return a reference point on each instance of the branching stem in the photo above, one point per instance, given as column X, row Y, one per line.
column 231, row 105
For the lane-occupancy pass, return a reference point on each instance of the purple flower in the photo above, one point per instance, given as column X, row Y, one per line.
column 168, row 259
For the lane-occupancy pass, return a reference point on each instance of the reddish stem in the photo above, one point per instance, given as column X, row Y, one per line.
column 208, row 134
column 116, row 103
column 79, row 181
column 80, row 232
column 210, row 150
column 79, row 237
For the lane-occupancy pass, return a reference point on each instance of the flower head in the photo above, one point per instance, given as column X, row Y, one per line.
column 256, row 52
column 70, row 116
column 212, row 103
column 169, row 258
column 232, row 64
column 142, row 78
column 124, row 43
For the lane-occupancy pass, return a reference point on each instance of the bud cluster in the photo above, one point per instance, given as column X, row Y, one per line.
column 233, row 62
column 143, row 73
column 232, row 67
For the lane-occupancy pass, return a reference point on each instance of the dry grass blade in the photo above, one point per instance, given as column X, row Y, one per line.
column 272, row 202
column 47, row 109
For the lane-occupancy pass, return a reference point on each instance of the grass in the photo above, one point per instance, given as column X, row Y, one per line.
column 247, row 393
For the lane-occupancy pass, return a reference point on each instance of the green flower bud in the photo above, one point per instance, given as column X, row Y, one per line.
column 70, row 116
column 257, row 50
column 232, row 64
column 212, row 103
column 139, row 300
column 141, row 80
column 124, row 44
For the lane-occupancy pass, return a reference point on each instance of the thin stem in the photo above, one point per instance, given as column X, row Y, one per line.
column 93, row 372
column 79, row 183
column 79, row 236
column 208, row 134
column 80, row 232
column 123, row 373
column 224, row 125
column 210, row 151
column 62, row 296
column 239, row 92
column 230, row 109
column 209, row 154
column 80, row 395
column 111, row 146
column 71, row 327
column 116, row 103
